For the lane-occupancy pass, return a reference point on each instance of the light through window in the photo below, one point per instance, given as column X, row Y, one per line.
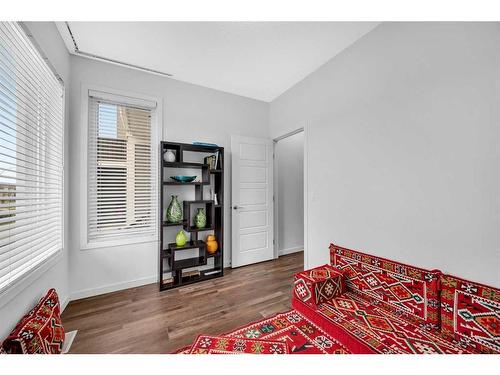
column 122, row 172
column 31, row 157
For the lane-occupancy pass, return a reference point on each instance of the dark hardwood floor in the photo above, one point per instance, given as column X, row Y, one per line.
column 144, row 320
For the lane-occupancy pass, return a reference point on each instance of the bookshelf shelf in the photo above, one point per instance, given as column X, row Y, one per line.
column 167, row 224
column 188, row 263
column 185, row 183
column 189, row 245
column 184, row 165
column 212, row 174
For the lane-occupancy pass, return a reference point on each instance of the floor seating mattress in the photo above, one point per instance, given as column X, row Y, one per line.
column 367, row 328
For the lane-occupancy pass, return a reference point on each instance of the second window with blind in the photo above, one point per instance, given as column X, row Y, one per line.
column 121, row 170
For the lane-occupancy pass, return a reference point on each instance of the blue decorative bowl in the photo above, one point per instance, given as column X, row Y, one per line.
column 183, row 178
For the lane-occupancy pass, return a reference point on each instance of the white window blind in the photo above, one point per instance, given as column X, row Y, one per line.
column 31, row 157
column 121, row 168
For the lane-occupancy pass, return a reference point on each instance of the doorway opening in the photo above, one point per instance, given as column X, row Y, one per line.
column 289, row 205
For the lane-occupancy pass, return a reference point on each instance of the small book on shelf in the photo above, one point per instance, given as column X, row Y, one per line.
column 190, row 273
column 210, row 160
column 168, row 280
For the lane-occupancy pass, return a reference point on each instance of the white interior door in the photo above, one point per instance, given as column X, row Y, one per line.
column 251, row 200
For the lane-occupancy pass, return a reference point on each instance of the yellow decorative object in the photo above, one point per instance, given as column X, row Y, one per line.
column 212, row 244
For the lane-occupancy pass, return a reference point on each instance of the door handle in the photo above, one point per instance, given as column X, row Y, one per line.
column 235, row 207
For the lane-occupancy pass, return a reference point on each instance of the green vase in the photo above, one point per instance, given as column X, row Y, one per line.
column 174, row 211
column 200, row 220
column 180, row 238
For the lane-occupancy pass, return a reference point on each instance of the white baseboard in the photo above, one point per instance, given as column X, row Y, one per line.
column 113, row 287
column 64, row 303
column 290, row 250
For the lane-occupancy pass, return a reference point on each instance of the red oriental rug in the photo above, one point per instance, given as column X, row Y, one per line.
column 230, row 345
column 300, row 335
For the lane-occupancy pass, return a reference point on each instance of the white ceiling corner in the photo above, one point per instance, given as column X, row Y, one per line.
column 260, row 60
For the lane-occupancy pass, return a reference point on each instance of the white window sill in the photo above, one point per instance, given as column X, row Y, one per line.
column 24, row 282
column 118, row 242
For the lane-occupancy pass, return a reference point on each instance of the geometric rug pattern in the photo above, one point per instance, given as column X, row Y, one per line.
column 403, row 289
column 40, row 331
column 318, row 284
column 205, row 344
column 300, row 335
column 383, row 331
column 470, row 314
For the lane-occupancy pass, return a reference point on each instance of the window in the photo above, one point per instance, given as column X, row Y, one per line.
column 31, row 157
column 121, row 195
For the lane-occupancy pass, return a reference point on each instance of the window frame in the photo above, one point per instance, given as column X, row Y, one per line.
column 156, row 136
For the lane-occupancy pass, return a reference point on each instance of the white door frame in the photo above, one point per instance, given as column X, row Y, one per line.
column 303, row 129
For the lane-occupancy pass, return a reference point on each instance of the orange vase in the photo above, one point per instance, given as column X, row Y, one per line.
column 212, row 244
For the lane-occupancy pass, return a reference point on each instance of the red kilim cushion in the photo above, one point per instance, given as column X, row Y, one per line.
column 40, row 331
column 470, row 314
column 406, row 290
column 227, row 345
column 318, row 285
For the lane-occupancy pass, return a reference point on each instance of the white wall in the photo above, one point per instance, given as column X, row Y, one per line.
column 190, row 113
column 403, row 152
column 404, row 147
column 289, row 162
column 56, row 276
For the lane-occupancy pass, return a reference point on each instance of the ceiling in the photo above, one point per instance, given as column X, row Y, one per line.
column 259, row 60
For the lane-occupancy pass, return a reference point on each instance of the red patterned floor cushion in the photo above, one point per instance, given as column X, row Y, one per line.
column 470, row 314
column 318, row 284
column 226, row 345
column 40, row 331
column 410, row 291
column 351, row 317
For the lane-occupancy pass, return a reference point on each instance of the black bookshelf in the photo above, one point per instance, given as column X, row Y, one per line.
column 214, row 177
